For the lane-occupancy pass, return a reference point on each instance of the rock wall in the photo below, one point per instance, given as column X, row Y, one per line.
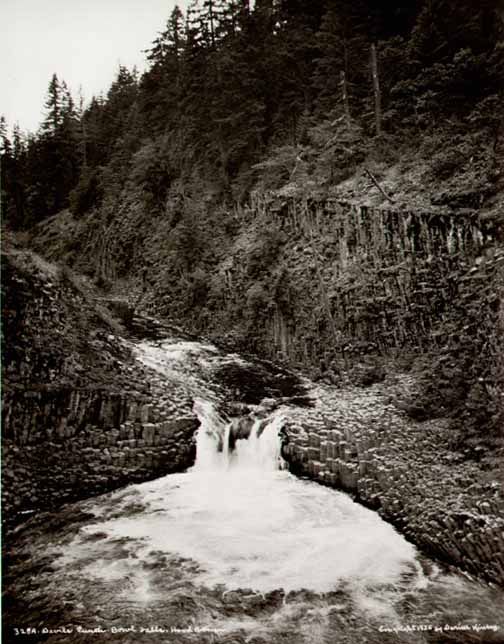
column 80, row 415
column 341, row 290
column 317, row 283
column 379, row 278
column 446, row 505
column 67, row 444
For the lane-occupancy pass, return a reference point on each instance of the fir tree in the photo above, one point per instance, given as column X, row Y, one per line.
column 340, row 73
column 53, row 106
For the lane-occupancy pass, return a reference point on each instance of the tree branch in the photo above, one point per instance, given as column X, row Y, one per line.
column 373, row 179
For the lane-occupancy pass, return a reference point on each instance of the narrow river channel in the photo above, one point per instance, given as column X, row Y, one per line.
column 237, row 549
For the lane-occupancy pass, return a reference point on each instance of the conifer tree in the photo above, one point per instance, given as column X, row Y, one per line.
column 13, row 177
column 160, row 87
column 56, row 150
column 227, row 82
column 6, row 168
column 5, row 144
column 53, row 106
column 340, row 74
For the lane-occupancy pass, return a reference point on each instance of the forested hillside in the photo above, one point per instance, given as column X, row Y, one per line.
column 281, row 95
column 319, row 181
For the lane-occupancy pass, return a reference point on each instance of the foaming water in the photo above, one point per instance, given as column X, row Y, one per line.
column 249, row 524
column 260, row 451
column 191, row 364
column 184, row 362
column 240, row 545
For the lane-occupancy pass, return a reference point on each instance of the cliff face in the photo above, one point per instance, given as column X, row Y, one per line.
column 352, row 295
column 337, row 289
column 79, row 416
column 340, row 288
column 449, row 506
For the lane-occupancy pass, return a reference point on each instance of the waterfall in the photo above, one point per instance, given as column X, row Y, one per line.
column 238, row 512
column 224, row 444
column 208, row 545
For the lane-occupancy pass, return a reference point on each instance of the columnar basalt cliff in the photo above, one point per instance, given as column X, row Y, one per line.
column 361, row 443
column 79, row 416
column 378, row 278
column 72, row 444
column 301, row 279
column 354, row 296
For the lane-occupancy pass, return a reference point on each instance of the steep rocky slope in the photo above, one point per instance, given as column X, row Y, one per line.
column 75, row 404
column 56, row 333
column 352, row 295
column 337, row 288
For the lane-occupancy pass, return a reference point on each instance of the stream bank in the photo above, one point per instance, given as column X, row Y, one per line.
column 236, row 549
column 361, row 442
column 102, row 419
column 80, row 415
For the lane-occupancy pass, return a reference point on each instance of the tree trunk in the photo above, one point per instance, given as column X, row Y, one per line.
column 344, row 94
column 376, row 87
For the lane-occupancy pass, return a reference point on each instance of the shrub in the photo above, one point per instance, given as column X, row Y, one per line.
column 88, row 192
column 265, row 251
column 198, row 287
column 258, row 299
column 150, row 170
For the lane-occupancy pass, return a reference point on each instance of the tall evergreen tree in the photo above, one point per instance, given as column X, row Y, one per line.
column 6, row 168
column 56, row 150
column 5, row 144
column 442, row 28
column 292, row 52
column 160, row 87
column 13, row 178
column 53, row 106
column 343, row 48
column 120, row 101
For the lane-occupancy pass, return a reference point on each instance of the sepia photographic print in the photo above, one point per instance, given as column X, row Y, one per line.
column 252, row 289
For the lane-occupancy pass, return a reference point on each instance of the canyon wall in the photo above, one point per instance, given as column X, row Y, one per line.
column 445, row 505
column 317, row 283
column 79, row 416
column 375, row 278
column 337, row 289
column 68, row 444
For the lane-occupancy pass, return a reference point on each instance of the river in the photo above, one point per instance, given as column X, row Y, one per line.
column 237, row 549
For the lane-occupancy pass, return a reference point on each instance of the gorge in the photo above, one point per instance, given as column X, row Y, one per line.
column 253, row 334
column 236, row 547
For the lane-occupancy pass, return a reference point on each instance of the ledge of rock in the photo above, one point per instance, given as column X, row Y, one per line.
column 80, row 415
column 450, row 507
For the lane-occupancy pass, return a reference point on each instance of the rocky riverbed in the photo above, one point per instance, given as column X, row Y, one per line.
column 221, row 555
column 360, row 441
column 104, row 570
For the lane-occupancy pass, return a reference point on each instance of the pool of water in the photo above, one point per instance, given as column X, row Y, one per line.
column 234, row 550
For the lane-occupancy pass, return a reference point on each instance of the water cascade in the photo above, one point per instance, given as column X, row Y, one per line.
column 238, row 545
column 250, row 443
